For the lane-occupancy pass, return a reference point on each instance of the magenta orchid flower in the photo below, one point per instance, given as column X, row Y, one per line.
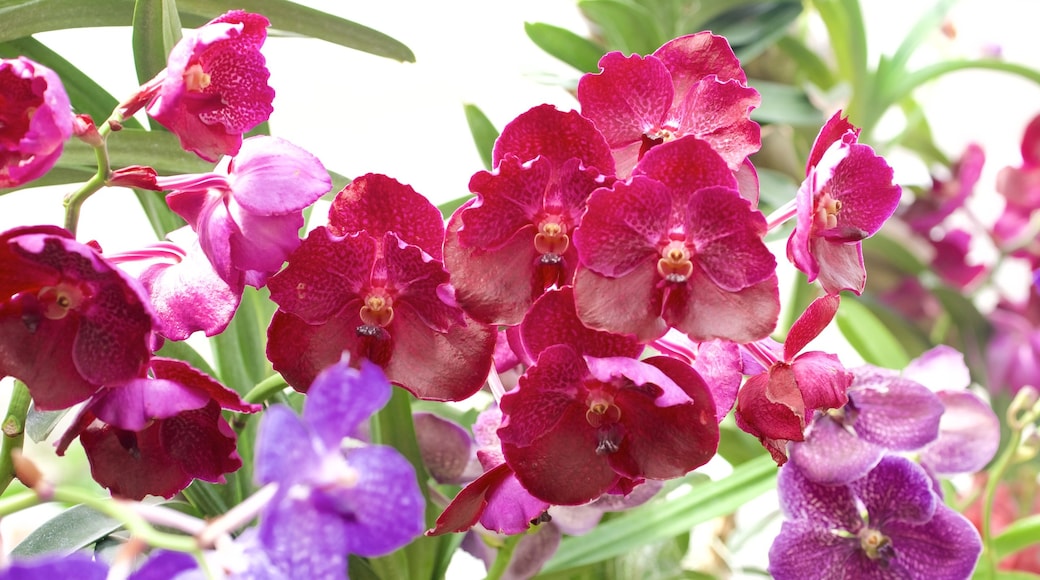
column 152, row 435
column 248, row 213
column 846, row 197
column 70, row 321
column 371, row 283
column 692, row 85
column 35, row 120
column 777, row 404
column 214, row 88
column 1020, row 187
column 513, row 241
column 676, row 246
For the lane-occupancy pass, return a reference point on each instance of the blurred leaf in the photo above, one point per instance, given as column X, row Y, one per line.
column 784, row 104
column 882, row 247
column 751, row 28
column 183, row 351
column 970, row 328
column 156, row 29
column 910, row 81
column 802, row 295
column 27, row 17
column 809, row 63
column 891, row 69
column 240, row 352
column 85, row 95
column 577, row 51
column 625, row 27
column 71, row 530
column 39, row 424
column 56, row 176
column 736, row 446
column 484, row 133
column 871, row 339
column 157, row 149
column 913, row 339
column 667, row 518
column 1018, row 535
column 917, row 135
column 774, row 189
column 848, row 40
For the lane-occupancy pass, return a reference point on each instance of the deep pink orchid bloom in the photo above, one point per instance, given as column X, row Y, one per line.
column 248, row 213
column 1020, row 187
column 152, row 435
column 513, row 241
column 371, row 283
column 776, row 405
column 70, row 321
column 676, row 246
column 692, row 85
column 35, row 120
column 846, row 197
column 214, row 88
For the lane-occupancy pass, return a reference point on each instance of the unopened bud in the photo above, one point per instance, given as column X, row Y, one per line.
column 83, row 127
column 1024, row 408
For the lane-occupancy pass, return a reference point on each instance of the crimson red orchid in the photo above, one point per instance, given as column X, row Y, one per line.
column 152, row 435
column 846, row 197
column 214, row 88
column 372, row 284
column 70, row 321
column 692, row 85
column 676, row 246
column 776, row 405
column 512, row 242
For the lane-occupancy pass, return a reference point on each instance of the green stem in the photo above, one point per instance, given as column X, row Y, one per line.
column 74, row 201
column 504, row 557
column 13, row 431
column 266, row 389
column 19, row 502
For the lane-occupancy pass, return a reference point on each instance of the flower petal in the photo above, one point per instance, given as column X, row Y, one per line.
column 386, row 487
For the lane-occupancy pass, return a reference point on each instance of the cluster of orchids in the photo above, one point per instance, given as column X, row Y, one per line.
column 608, row 282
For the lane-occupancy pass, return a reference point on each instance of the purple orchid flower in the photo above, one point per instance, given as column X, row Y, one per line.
column 336, row 496
column 908, row 532
column 75, row 565
column 248, row 214
column 846, row 197
column 214, row 88
column 35, row 120
column 70, row 321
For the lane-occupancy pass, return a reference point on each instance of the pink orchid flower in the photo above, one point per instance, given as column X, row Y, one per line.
column 35, row 120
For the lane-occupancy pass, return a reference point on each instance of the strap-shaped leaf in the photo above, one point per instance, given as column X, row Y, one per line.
column 577, row 51
column 27, row 17
column 71, row 530
column 157, row 149
column 785, row 104
column 626, row 27
column 157, row 28
column 484, row 133
column 870, row 337
column 753, row 27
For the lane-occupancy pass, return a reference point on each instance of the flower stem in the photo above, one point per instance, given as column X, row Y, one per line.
column 504, row 557
column 13, row 431
column 266, row 389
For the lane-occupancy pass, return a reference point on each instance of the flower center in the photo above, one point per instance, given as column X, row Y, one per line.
column 552, row 240
column 674, row 264
column 196, row 79
column 876, row 545
column 378, row 309
column 827, row 210
column 604, row 415
column 58, row 300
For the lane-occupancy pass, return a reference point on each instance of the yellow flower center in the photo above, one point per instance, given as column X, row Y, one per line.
column 674, row 264
column 195, row 78
column 58, row 300
column 378, row 309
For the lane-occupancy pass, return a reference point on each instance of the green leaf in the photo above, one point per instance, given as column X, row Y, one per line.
column 85, row 95
column 157, row 28
column 735, row 445
column 240, row 352
column 848, row 40
column 753, row 27
column 667, row 518
column 970, row 329
column 183, row 351
column 577, row 51
column 71, row 530
column 774, row 189
column 157, row 149
column 447, row 208
column 784, row 104
column 160, row 216
column 58, row 175
column 292, row 17
column 871, row 339
column 626, row 27
column 809, row 63
column 908, row 82
column 484, row 133
column 39, row 424
column 27, row 17
column 1017, row 536
column 891, row 69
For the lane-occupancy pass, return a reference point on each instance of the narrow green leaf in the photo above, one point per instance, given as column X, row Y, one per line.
column 71, row 530
column 160, row 216
column 774, row 189
column 183, row 351
column 882, row 248
column 844, row 22
column 753, row 27
column 39, row 424
column 449, row 207
column 577, row 51
column 784, row 104
column 240, row 352
column 626, row 27
column 484, row 133
column 27, row 17
column 871, row 339
column 667, row 518
column 292, row 17
column 815, row 69
column 1018, row 535
column 926, row 26
column 735, row 445
column 85, row 95
column 206, row 498
column 157, row 28
column 58, row 175
column 970, row 330
column 157, row 149
column 908, row 82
